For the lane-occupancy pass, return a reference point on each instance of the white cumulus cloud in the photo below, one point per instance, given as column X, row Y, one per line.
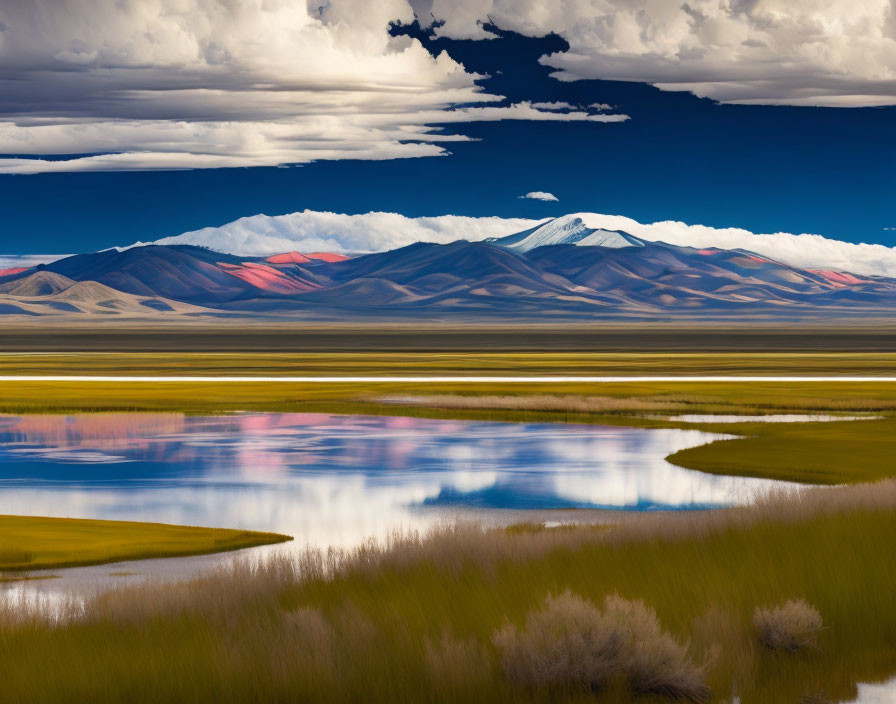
column 311, row 231
column 800, row 250
column 540, row 195
column 168, row 84
column 795, row 52
column 316, row 231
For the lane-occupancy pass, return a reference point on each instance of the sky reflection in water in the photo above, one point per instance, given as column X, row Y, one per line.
column 330, row 479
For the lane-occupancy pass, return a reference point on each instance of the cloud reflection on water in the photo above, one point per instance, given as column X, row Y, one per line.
column 330, row 479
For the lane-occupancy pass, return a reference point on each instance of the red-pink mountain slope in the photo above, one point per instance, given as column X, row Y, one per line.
column 10, row 272
column 267, row 278
column 327, row 256
column 839, row 278
column 288, row 258
column 298, row 258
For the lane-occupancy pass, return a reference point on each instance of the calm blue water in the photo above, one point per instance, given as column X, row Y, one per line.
column 332, row 479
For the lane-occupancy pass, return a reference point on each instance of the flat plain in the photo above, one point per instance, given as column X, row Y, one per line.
column 417, row 618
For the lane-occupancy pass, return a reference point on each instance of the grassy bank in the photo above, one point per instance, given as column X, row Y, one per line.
column 416, row 621
column 31, row 543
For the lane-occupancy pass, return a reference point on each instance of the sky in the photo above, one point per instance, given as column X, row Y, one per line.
column 124, row 122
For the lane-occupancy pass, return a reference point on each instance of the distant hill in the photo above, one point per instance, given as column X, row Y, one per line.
column 40, row 283
column 44, row 293
column 560, row 269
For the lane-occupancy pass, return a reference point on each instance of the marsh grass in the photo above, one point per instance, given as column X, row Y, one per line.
column 413, row 619
column 567, row 403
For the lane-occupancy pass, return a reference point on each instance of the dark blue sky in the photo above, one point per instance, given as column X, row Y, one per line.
column 823, row 170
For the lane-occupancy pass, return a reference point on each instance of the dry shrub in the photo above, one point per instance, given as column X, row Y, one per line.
column 790, row 627
column 571, row 643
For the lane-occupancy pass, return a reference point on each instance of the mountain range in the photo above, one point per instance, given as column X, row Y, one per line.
column 561, row 268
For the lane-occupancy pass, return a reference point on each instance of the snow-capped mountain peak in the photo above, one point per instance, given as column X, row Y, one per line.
column 568, row 229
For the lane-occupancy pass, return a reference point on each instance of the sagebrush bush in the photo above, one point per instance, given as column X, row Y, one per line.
column 571, row 643
column 790, row 626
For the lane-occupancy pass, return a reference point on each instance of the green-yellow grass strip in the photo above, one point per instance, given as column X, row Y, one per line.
column 315, row 363
column 32, row 543
column 33, row 397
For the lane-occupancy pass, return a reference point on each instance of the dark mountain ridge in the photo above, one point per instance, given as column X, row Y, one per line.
column 511, row 278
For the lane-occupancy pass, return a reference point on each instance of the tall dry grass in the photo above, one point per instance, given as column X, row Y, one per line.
column 569, row 403
column 663, row 401
column 413, row 618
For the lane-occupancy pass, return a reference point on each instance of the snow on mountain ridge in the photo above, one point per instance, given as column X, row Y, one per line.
column 568, row 229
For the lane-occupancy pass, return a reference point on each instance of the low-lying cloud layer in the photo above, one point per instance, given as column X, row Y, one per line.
column 312, row 231
column 315, row 231
column 800, row 250
column 25, row 261
column 105, row 85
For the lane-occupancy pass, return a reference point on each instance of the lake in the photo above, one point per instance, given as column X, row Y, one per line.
column 335, row 480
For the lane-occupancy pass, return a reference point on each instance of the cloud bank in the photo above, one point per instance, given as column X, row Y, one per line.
column 800, row 250
column 316, row 231
column 105, row 85
column 312, row 231
column 25, row 261
column 540, row 195
column 793, row 52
